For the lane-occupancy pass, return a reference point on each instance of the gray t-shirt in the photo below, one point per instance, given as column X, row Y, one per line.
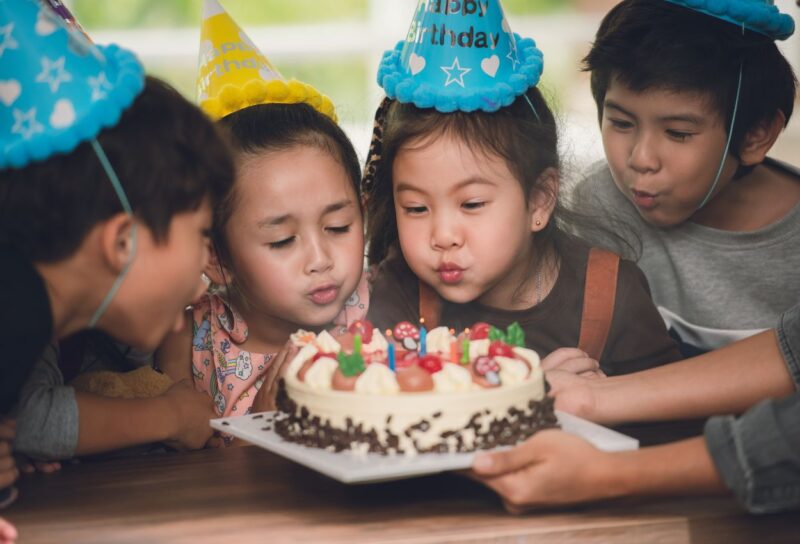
column 711, row 286
column 47, row 411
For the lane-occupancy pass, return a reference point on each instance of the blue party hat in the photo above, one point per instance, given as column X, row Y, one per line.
column 460, row 55
column 57, row 89
column 760, row 16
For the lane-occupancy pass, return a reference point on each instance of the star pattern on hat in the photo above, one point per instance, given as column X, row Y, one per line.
column 99, row 85
column 512, row 56
column 8, row 41
column 456, row 67
column 53, row 73
column 25, row 123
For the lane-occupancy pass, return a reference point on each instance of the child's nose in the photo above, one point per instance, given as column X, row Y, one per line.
column 644, row 157
column 319, row 257
column 446, row 233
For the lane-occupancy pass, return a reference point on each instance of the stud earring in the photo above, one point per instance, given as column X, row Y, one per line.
column 538, row 223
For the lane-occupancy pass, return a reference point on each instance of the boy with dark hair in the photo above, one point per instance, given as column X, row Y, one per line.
column 107, row 181
column 691, row 96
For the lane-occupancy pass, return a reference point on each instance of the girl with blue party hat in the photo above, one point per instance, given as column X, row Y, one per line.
column 464, row 218
column 288, row 243
column 691, row 98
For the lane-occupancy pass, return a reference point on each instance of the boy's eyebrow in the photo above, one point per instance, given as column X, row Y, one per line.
column 611, row 105
column 681, row 117
column 684, row 118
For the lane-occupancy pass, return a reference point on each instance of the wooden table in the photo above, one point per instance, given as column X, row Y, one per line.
column 250, row 495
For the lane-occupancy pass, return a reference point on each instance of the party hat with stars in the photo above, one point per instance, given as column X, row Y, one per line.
column 760, row 16
column 233, row 74
column 57, row 89
column 460, row 55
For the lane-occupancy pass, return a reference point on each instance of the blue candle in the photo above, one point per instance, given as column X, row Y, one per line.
column 391, row 358
column 423, row 341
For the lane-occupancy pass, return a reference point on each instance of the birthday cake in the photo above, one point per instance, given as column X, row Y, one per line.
column 413, row 391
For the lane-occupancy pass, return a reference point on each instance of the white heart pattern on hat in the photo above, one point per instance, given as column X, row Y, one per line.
column 44, row 23
column 416, row 63
column 490, row 65
column 9, row 91
column 63, row 114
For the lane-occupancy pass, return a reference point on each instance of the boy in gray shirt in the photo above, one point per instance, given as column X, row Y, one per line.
column 686, row 137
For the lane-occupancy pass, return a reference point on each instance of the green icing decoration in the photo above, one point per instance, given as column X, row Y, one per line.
column 496, row 334
column 515, row 336
column 350, row 364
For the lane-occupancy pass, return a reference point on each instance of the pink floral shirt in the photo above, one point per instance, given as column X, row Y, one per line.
column 231, row 375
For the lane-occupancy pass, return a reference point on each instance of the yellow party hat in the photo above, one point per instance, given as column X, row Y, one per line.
column 233, row 74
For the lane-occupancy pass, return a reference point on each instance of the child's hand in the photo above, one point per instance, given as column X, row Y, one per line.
column 573, row 394
column 265, row 398
column 30, row 466
column 8, row 468
column 551, row 468
column 8, row 533
column 572, row 360
column 191, row 410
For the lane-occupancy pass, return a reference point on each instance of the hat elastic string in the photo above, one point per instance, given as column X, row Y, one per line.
column 123, row 199
column 536, row 113
column 730, row 137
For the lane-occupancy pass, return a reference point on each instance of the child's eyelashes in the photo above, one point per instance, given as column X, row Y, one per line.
column 679, row 136
column 415, row 210
column 474, row 205
column 339, row 230
column 286, row 242
column 619, row 124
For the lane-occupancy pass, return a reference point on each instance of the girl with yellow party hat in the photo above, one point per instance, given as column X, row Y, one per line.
column 288, row 244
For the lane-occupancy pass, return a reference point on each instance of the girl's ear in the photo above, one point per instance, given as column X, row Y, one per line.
column 116, row 239
column 760, row 139
column 215, row 271
column 543, row 199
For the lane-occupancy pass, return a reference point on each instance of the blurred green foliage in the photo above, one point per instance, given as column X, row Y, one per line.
column 176, row 13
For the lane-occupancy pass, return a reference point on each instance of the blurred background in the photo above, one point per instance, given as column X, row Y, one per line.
column 336, row 45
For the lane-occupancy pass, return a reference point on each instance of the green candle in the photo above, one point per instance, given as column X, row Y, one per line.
column 357, row 344
column 465, row 352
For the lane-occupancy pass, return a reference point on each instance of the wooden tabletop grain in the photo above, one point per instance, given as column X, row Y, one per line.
column 250, row 495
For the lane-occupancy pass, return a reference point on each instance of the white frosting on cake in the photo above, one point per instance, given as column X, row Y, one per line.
column 512, row 371
column 377, row 379
column 320, row 375
column 327, row 343
column 478, row 348
column 453, row 378
column 439, row 340
column 376, row 343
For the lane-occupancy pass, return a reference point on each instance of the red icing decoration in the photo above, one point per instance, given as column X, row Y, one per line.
column 498, row 348
column 405, row 329
column 362, row 327
column 413, row 379
column 320, row 355
column 431, row 363
column 479, row 331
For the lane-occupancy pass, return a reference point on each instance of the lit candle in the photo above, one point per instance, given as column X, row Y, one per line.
column 357, row 344
column 391, row 358
column 453, row 352
column 423, row 341
column 465, row 352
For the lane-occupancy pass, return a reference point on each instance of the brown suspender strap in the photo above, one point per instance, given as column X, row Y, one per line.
column 599, row 297
column 430, row 305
